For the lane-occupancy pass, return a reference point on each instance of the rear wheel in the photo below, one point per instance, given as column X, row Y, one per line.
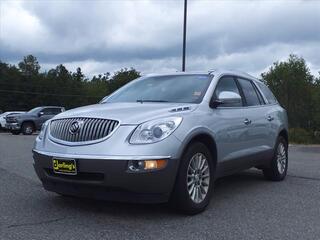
column 194, row 183
column 277, row 170
column 27, row 128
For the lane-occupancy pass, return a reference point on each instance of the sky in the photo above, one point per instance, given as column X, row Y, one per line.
column 107, row 35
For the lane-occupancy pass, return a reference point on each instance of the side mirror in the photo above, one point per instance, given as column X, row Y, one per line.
column 40, row 114
column 226, row 97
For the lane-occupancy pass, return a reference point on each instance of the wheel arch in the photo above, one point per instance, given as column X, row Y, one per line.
column 29, row 121
column 207, row 139
column 284, row 133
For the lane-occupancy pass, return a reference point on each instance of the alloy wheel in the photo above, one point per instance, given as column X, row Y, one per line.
column 281, row 158
column 198, row 177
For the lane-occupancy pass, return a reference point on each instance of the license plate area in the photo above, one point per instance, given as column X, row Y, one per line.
column 64, row 166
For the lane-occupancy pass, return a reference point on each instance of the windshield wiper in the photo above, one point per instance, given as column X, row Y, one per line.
column 150, row 100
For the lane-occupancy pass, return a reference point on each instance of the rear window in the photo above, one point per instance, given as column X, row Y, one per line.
column 267, row 93
column 51, row 111
column 249, row 92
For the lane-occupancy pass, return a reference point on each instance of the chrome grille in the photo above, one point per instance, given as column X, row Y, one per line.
column 10, row 119
column 90, row 129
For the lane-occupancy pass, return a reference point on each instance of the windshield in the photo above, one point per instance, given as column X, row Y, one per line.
column 34, row 110
column 175, row 88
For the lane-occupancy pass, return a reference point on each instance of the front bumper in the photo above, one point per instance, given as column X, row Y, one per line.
column 13, row 126
column 107, row 178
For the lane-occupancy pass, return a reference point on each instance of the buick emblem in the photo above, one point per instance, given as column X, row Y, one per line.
column 75, row 127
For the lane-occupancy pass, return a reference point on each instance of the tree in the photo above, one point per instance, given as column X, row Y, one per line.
column 29, row 66
column 25, row 87
column 316, row 105
column 122, row 77
column 291, row 82
column 78, row 75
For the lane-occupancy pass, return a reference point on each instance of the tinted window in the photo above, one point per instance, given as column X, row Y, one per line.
column 249, row 92
column 47, row 111
column 35, row 110
column 262, row 101
column 51, row 111
column 174, row 88
column 227, row 84
column 56, row 111
column 267, row 93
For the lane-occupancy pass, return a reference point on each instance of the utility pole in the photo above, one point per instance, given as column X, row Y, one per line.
column 184, row 37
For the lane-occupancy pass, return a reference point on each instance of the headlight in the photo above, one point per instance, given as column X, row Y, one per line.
column 155, row 130
column 43, row 130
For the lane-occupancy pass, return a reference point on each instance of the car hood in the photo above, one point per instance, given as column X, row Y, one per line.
column 21, row 115
column 129, row 113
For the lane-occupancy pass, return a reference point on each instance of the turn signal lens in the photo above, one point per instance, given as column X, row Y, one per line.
column 154, row 164
column 146, row 165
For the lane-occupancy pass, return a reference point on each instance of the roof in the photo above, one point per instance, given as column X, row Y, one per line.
column 213, row 72
column 51, row 107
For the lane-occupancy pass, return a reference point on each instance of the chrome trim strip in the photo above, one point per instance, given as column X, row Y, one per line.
column 100, row 157
column 67, row 143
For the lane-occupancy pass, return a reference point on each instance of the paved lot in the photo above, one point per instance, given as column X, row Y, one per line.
column 244, row 206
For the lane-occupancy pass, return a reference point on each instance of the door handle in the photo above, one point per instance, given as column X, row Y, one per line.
column 269, row 118
column 247, row 121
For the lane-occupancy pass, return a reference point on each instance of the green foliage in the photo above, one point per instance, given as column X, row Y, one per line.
column 299, row 93
column 300, row 135
column 305, row 136
column 29, row 66
column 25, row 87
column 292, row 84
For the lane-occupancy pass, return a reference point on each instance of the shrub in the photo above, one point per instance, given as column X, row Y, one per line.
column 300, row 135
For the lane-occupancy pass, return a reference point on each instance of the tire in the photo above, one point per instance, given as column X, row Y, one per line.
column 181, row 198
column 27, row 128
column 277, row 171
column 15, row 132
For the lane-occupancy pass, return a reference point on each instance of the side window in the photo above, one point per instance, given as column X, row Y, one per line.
column 262, row 101
column 47, row 111
column 249, row 92
column 56, row 111
column 267, row 93
column 227, row 84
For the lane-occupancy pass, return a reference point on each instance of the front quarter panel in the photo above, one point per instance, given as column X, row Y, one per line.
column 193, row 124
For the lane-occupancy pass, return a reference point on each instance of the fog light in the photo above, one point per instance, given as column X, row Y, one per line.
column 145, row 165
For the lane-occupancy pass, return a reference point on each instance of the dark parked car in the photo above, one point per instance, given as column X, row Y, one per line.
column 31, row 121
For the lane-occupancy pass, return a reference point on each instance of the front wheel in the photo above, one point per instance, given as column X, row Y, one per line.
column 277, row 170
column 27, row 128
column 194, row 183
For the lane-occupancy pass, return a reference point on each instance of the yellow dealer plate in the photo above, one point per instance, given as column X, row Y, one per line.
column 64, row 166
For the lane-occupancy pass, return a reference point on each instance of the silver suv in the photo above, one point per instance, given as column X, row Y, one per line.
column 165, row 137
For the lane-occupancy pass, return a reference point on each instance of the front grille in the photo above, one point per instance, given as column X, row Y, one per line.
column 90, row 129
column 10, row 120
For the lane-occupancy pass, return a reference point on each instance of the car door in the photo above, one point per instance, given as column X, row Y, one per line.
column 271, row 114
column 230, row 129
column 257, row 138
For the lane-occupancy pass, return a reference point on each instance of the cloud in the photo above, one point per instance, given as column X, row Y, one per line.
column 101, row 36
